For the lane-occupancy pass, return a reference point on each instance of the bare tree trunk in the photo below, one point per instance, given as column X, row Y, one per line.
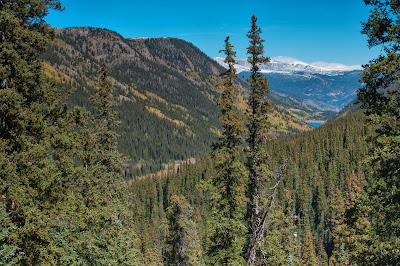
column 260, row 228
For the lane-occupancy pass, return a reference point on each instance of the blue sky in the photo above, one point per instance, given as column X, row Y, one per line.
column 309, row 30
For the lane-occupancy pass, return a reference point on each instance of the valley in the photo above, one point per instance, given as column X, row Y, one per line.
column 181, row 102
column 166, row 91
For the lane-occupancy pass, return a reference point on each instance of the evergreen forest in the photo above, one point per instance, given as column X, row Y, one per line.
column 118, row 151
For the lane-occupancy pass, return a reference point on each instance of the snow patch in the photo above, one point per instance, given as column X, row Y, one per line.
column 289, row 65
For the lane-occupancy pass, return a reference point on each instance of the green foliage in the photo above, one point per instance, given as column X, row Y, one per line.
column 257, row 122
column 322, row 162
column 258, row 126
column 182, row 242
column 381, row 99
column 350, row 241
column 9, row 253
column 227, row 228
column 104, row 125
column 308, row 256
column 328, row 157
column 63, row 199
column 151, row 197
column 175, row 80
column 35, row 145
column 107, row 224
column 280, row 245
column 61, row 195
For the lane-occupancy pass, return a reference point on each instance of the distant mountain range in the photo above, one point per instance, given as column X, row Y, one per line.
column 323, row 86
column 289, row 65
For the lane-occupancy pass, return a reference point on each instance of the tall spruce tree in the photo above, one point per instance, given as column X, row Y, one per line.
column 381, row 99
column 108, row 227
column 105, row 124
column 182, row 245
column 258, row 127
column 228, row 229
column 53, row 211
column 279, row 245
column 36, row 149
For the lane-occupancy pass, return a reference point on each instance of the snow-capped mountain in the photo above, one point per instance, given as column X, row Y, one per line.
column 324, row 86
column 283, row 64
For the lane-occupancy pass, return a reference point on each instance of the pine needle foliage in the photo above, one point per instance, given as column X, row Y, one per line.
column 105, row 123
column 9, row 253
column 258, row 127
column 228, row 229
column 308, row 256
column 108, row 225
column 381, row 99
column 36, row 149
column 182, row 242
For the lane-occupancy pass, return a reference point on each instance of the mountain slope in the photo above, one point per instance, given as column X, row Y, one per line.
column 356, row 104
column 165, row 87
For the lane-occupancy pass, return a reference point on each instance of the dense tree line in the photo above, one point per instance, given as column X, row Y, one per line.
column 148, row 140
column 376, row 210
column 324, row 171
column 346, row 212
column 63, row 198
column 300, row 218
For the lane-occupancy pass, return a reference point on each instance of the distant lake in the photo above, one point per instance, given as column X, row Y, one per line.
column 315, row 124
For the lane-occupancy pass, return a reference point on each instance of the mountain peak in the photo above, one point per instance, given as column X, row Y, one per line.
column 324, row 86
column 284, row 64
column 287, row 60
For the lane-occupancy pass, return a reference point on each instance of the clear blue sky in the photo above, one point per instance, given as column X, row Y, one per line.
column 309, row 30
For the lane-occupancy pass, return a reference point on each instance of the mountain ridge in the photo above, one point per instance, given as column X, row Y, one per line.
column 322, row 86
column 165, row 87
column 284, row 64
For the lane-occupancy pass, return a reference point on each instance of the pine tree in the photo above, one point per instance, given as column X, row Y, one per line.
column 258, row 126
column 105, row 124
column 227, row 220
column 350, row 241
column 36, row 148
column 279, row 246
column 381, row 99
column 308, row 256
column 182, row 245
column 107, row 221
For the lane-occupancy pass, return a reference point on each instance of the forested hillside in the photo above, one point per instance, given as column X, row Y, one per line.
column 324, row 167
column 165, row 86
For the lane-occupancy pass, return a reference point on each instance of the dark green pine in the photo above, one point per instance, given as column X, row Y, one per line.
column 381, row 99
column 107, row 222
column 182, row 244
column 36, row 149
column 228, row 229
column 258, row 127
